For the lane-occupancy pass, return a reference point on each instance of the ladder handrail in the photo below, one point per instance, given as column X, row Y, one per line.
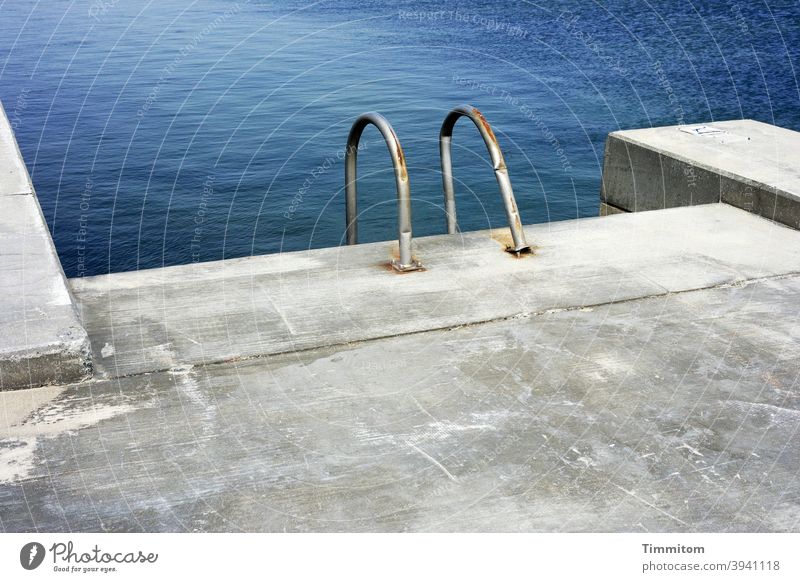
column 406, row 261
column 500, row 172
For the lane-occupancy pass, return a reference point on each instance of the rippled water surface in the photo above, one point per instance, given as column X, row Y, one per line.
column 160, row 133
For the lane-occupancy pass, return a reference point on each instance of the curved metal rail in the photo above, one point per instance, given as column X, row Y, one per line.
column 406, row 262
column 520, row 245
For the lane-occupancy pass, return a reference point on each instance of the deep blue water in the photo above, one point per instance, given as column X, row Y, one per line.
column 167, row 131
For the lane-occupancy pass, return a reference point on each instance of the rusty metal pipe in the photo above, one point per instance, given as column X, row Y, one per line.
column 406, row 262
column 500, row 171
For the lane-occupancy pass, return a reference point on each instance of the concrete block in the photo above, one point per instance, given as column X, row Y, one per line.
column 748, row 164
column 43, row 341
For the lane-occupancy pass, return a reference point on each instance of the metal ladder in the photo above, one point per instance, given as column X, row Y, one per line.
column 406, row 261
column 500, row 171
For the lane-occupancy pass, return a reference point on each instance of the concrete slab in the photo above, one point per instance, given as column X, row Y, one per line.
column 41, row 340
column 745, row 163
column 163, row 319
column 678, row 412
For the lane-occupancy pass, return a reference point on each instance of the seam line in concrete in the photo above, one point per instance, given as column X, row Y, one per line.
column 523, row 315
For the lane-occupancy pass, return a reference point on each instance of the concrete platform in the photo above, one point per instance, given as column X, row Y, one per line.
column 748, row 164
column 207, row 313
column 638, row 373
column 42, row 340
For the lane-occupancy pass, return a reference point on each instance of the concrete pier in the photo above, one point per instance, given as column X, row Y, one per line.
column 636, row 372
column 748, row 164
column 622, row 378
column 42, row 340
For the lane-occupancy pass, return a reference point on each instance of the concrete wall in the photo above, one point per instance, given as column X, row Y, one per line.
column 751, row 165
column 42, row 340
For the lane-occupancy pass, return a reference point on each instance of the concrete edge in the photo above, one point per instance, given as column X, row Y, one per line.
column 55, row 364
column 666, row 180
column 14, row 146
column 625, row 135
column 66, row 357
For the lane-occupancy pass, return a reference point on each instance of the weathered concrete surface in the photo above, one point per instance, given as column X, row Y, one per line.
column 672, row 413
column 212, row 312
column 14, row 179
column 750, row 165
column 41, row 338
column 638, row 373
